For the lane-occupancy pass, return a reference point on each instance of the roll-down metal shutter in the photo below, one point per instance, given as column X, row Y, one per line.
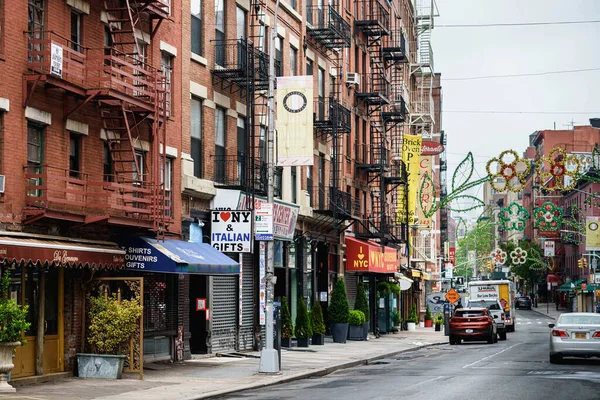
column 351, row 282
column 246, row 329
column 223, row 335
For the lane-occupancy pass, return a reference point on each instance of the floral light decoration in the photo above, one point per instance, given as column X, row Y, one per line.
column 548, row 217
column 514, row 217
column 561, row 171
column 518, row 256
column 498, row 256
column 511, row 172
column 574, row 227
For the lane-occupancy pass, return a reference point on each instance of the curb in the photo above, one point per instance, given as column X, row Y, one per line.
column 542, row 314
column 314, row 373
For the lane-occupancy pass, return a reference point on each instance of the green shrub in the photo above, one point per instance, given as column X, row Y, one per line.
column 316, row 319
column 428, row 316
column 339, row 308
column 112, row 323
column 383, row 288
column 395, row 289
column 287, row 329
column 439, row 319
column 303, row 328
column 396, row 318
column 362, row 303
column 356, row 318
column 13, row 317
column 413, row 316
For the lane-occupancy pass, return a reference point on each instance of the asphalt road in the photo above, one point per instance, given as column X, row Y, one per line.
column 517, row 368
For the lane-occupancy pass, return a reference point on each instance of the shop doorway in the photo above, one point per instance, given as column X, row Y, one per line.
column 198, row 323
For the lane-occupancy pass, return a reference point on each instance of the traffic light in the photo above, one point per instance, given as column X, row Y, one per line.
column 580, row 263
column 585, row 264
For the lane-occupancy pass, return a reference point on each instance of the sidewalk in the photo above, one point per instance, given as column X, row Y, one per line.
column 217, row 376
column 549, row 310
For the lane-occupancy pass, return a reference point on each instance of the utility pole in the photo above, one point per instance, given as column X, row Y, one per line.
column 269, row 358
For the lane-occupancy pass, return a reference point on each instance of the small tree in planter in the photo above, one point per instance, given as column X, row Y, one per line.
column 428, row 318
column 317, row 324
column 112, row 323
column 356, row 320
column 303, row 328
column 13, row 324
column 338, row 312
column 413, row 319
column 287, row 329
column 396, row 320
column 362, row 304
column 438, row 321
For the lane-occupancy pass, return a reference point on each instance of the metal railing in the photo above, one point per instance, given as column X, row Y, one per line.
column 370, row 154
column 370, row 11
column 331, row 199
column 327, row 110
column 328, row 25
column 237, row 171
column 374, row 84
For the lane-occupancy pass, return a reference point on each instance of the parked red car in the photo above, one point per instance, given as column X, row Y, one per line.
column 473, row 324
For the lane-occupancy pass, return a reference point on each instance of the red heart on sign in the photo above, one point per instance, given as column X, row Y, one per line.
column 225, row 216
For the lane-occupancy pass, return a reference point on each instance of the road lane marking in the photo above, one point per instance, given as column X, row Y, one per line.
column 493, row 355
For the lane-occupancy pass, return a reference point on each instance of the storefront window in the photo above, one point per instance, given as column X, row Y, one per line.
column 160, row 300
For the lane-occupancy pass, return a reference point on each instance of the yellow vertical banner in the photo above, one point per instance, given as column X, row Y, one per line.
column 592, row 233
column 411, row 155
column 294, row 120
column 425, row 191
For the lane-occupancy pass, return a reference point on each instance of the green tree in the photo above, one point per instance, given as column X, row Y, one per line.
column 13, row 317
column 361, row 303
column 339, row 308
column 479, row 239
column 316, row 319
column 303, row 328
column 534, row 269
column 287, row 329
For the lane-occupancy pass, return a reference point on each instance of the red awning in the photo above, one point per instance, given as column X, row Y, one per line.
column 363, row 256
column 92, row 254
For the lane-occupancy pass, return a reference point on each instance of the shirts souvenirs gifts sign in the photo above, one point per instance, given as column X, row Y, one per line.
column 231, row 231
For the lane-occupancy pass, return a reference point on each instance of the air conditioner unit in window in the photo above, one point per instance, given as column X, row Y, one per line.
column 2, row 183
column 352, row 78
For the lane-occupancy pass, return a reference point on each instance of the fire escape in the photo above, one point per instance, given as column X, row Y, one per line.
column 329, row 33
column 421, row 67
column 380, row 93
column 131, row 97
column 242, row 66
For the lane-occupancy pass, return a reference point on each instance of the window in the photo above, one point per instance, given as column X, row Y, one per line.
column 35, row 156
column 293, row 4
column 196, row 132
column 279, row 56
column 74, row 155
column 139, row 158
column 262, row 144
column 108, row 169
column 241, row 150
column 220, row 32
column 309, row 67
column 197, row 26
column 76, row 31
column 309, row 183
column 241, row 23
column 293, row 61
column 166, row 178
column 220, row 131
column 263, row 37
column 166, row 66
column 331, row 85
column 294, row 181
column 108, row 43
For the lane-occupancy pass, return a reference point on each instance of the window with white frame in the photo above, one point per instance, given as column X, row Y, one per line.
column 197, row 28
column 196, row 133
column 166, row 61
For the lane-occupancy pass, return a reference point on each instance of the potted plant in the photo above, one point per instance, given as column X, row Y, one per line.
column 356, row 320
column 396, row 320
column 13, row 322
column 362, row 304
column 428, row 318
column 303, row 328
column 413, row 319
column 438, row 321
column 395, row 289
column 338, row 312
column 317, row 324
column 287, row 329
column 112, row 323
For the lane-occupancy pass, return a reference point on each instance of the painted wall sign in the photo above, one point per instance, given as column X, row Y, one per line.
column 431, row 148
column 231, row 231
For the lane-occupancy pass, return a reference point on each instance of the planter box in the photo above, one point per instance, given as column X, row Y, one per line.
column 428, row 323
column 339, row 332
column 287, row 343
column 438, row 327
column 302, row 342
column 421, row 324
column 411, row 326
column 356, row 332
column 318, row 340
column 366, row 331
column 100, row 366
column 7, row 350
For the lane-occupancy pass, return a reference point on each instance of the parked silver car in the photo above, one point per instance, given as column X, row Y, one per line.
column 575, row 335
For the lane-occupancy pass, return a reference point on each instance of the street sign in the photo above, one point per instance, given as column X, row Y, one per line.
column 549, row 248
column 263, row 222
column 452, row 296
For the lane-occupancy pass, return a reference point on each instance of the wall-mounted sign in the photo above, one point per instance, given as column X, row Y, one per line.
column 592, row 233
column 431, row 148
column 56, row 60
column 200, row 304
column 231, row 231
column 452, row 255
column 549, row 248
column 263, row 221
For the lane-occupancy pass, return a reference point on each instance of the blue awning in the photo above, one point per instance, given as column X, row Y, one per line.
column 177, row 257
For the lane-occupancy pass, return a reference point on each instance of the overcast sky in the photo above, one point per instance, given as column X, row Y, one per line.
column 470, row 52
